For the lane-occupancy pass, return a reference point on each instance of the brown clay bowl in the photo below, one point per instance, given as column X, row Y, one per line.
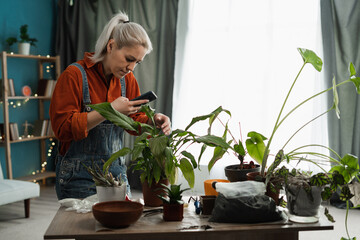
column 117, row 214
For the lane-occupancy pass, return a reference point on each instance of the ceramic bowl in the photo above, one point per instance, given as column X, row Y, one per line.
column 117, row 214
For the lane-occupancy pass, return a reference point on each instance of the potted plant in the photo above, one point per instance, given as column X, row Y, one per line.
column 108, row 187
column 24, row 42
column 156, row 155
column 254, row 147
column 173, row 205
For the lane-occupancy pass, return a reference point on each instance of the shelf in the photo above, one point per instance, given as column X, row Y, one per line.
column 36, row 57
column 28, row 97
column 28, row 139
column 37, row 176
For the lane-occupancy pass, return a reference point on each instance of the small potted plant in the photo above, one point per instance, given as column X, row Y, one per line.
column 108, row 187
column 24, row 42
column 173, row 205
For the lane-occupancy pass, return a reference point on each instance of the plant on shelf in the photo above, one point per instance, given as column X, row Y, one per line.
column 173, row 205
column 24, row 42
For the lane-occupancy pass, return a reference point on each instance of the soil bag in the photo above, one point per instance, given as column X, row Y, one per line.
column 245, row 209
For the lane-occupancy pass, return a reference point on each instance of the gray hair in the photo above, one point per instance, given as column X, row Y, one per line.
column 125, row 34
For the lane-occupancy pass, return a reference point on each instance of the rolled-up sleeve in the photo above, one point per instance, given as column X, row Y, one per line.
column 67, row 120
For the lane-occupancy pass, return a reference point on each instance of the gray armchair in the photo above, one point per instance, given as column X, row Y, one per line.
column 16, row 190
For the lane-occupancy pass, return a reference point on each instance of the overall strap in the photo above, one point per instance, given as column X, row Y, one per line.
column 85, row 90
column 123, row 86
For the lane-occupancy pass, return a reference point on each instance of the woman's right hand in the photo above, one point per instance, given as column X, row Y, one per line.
column 123, row 105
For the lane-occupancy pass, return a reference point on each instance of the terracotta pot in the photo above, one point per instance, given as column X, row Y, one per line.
column 251, row 176
column 300, row 204
column 234, row 174
column 173, row 212
column 150, row 193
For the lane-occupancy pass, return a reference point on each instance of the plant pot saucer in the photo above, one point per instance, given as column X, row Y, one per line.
column 302, row 219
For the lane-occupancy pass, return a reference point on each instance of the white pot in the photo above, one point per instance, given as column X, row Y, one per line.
column 24, row 48
column 106, row 194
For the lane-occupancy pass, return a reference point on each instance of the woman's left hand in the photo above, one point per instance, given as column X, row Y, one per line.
column 163, row 122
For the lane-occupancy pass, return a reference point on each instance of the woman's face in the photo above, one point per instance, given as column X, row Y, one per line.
column 120, row 62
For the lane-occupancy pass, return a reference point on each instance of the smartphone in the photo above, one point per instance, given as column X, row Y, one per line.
column 150, row 95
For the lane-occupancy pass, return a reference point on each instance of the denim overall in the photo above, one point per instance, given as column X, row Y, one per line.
column 72, row 178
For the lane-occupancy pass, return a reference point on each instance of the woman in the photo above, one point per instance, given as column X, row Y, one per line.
column 103, row 76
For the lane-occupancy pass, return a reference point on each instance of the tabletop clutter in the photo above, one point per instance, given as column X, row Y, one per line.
column 232, row 202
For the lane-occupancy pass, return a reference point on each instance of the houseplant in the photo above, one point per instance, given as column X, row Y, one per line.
column 173, row 205
column 156, row 155
column 254, row 147
column 24, row 42
column 108, row 187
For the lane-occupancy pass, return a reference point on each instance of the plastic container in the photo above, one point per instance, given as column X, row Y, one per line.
column 209, row 190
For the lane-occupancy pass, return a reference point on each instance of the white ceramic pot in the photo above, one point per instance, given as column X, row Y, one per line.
column 106, row 194
column 24, row 48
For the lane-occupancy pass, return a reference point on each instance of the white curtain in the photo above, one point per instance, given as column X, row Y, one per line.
column 242, row 55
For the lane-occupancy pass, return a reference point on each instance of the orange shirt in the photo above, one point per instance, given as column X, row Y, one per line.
column 67, row 119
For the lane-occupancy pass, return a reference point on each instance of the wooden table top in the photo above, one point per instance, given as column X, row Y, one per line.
column 72, row 225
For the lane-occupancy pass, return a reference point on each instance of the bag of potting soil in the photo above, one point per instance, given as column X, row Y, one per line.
column 247, row 209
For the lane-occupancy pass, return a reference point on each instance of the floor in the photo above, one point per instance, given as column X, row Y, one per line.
column 13, row 225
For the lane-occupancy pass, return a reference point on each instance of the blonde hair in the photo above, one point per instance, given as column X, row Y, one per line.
column 124, row 33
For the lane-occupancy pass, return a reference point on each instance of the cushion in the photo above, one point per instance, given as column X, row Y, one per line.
column 16, row 190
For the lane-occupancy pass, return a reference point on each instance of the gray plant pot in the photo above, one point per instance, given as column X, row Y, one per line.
column 299, row 203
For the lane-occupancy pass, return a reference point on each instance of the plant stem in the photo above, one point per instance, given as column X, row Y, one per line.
column 306, row 125
column 317, row 145
column 308, row 99
column 346, row 218
column 266, row 152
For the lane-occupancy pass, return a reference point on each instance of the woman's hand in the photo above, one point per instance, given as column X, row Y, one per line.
column 123, row 105
column 163, row 122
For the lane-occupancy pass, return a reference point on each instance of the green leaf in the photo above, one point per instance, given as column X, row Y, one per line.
column 255, row 146
column 356, row 81
column 122, row 152
column 239, row 148
column 213, row 141
column 348, row 168
column 352, row 70
column 188, row 171
column 311, row 57
column 191, row 157
column 119, row 119
column 336, row 99
column 218, row 154
column 158, row 145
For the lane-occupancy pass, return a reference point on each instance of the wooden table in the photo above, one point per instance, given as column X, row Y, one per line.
column 72, row 225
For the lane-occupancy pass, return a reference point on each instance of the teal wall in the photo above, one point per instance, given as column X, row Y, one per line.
column 40, row 15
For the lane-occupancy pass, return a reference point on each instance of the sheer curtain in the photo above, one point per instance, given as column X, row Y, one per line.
column 242, row 55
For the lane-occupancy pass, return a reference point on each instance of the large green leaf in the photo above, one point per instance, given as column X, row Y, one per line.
column 311, row 57
column 188, row 171
column 255, row 146
column 119, row 119
column 239, row 148
column 336, row 99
